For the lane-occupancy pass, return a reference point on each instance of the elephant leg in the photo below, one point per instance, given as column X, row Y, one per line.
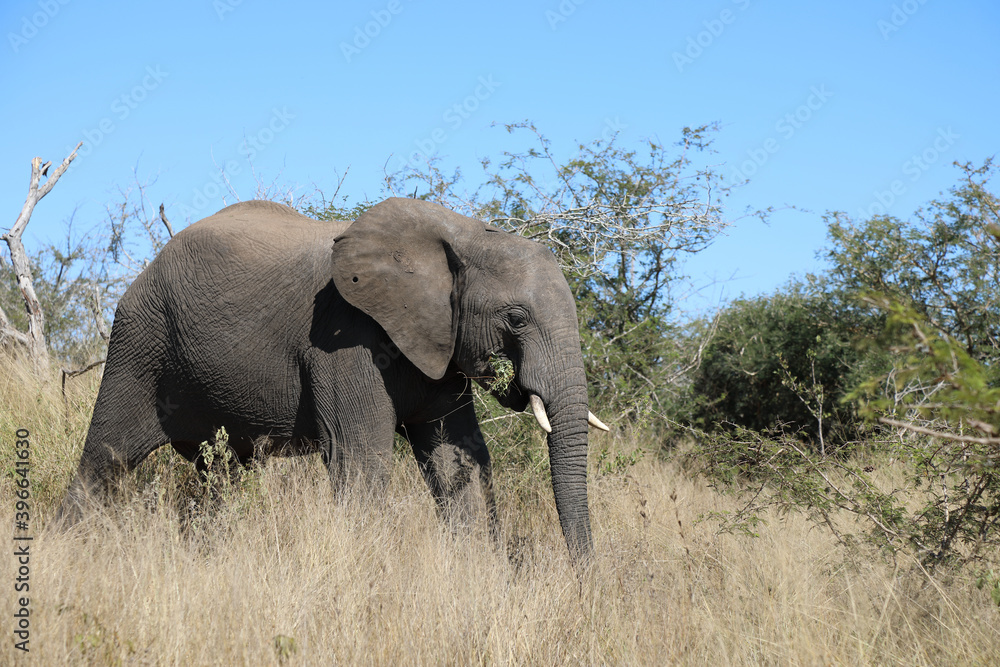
column 354, row 424
column 452, row 454
column 124, row 430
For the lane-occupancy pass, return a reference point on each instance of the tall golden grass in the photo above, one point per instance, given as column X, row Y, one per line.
column 276, row 570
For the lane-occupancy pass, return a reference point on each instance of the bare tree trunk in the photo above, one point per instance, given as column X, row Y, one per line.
column 34, row 340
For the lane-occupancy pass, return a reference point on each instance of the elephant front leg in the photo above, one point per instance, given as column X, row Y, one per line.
column 455, row 463
column 355, row 426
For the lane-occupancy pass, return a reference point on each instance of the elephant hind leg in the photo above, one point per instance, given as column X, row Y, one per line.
column 124, row 430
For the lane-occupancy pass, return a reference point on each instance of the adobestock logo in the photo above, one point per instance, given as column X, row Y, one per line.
column 899, row 16
column 257, row 142
column 122, row 107
column 698, row 43
column 252, row 145
column 562, row 13
column 31, row 25
column 364, row 34
column 916, row 166
column 612, row 128
column 786, row 127
column 223, row 7
column 454, row 117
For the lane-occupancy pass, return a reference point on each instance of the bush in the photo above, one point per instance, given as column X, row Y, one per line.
column 785, row 361
column 943, row 263
column 929, row 487
column 929, row 382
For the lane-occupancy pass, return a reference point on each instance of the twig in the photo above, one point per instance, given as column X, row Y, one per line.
column 102, row 326
column 74, row 373
column 166, row 223
column 510, row 415
column 938, row 434
column 80, row 371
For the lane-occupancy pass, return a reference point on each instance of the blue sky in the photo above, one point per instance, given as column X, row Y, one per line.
column 851, row 106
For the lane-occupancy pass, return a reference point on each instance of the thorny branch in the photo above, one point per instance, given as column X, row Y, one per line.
column 603, row 208
column 909, row 426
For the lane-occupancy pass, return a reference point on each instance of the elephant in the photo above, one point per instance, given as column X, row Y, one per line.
column 332, row 337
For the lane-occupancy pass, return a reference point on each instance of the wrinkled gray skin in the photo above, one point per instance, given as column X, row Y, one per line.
column 324, row 336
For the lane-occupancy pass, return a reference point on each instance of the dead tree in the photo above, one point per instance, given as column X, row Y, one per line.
column 34, row 340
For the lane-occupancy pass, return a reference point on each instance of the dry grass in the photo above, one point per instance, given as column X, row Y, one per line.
column 280, row 571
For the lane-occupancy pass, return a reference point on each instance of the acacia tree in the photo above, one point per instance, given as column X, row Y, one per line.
column 943, row 395
column 618, row 220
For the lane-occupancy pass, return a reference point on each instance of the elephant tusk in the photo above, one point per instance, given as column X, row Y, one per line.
column 595, row 422
column 538, row 408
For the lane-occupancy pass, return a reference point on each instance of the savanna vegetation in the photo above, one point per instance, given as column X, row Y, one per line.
column 808, row 476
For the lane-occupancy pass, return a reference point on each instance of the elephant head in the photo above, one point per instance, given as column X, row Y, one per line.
column 451, row 292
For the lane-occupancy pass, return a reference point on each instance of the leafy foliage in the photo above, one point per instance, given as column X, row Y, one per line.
column 785, row 361
column 331, row 210
column 946, row 409
column 503, row 373
column 947, row 405
column 774, row 470
column 934, row 388
column 944, row 264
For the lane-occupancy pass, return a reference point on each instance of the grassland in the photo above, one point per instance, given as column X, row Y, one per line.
column 275, row 570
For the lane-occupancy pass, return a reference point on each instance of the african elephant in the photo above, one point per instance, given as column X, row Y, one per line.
column 332, row 336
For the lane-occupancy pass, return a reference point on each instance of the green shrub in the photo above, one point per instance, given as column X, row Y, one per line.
column 784, row 362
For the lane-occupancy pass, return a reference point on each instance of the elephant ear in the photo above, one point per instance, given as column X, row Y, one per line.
column 396, row 263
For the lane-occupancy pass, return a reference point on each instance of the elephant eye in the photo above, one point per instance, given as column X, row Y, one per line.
column 517, row 319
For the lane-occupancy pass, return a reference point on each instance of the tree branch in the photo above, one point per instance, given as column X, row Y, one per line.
column 7, row 330
column 80, row 371
column 166, row 223
column 102, row 325
column 938, row 434
column 36, row 191
column 35, row 338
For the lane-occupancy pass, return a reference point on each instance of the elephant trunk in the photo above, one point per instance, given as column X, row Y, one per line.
column 568, row 460
column 564, row 394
